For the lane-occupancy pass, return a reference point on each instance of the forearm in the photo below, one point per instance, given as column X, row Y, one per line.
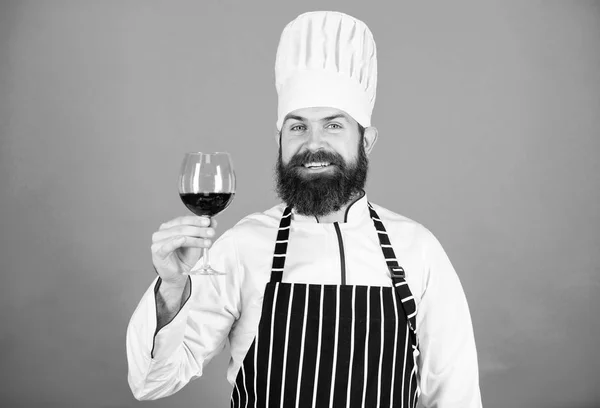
column 158, row 365
column 170, row 298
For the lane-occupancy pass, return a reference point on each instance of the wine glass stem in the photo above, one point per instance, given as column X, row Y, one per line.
column 205, row 258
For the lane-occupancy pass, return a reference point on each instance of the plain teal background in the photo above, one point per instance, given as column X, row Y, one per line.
column 489, row 122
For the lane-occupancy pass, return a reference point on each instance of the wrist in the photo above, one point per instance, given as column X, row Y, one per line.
column 174, row 294
column 174, row 284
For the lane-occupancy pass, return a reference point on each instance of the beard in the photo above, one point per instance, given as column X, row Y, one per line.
column 320, row 194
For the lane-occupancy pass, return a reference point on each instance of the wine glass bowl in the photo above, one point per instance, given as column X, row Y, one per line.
column 207, row 188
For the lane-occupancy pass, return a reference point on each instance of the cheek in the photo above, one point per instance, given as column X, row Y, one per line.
column 288, row 150
column 347, row 152
column 349, row 155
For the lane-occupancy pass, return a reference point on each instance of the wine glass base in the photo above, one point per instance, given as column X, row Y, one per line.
column 205, row 271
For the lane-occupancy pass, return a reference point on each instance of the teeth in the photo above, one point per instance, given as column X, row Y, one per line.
column 317, row 164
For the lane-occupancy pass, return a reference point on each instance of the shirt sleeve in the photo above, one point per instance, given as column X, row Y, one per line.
column 448, row 358
column 161, row 363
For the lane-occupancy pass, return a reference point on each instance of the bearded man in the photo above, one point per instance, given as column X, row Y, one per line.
column 328, row 299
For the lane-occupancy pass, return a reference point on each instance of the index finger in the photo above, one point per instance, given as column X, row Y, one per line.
column 195, row 220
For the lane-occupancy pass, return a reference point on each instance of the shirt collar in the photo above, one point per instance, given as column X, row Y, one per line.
column 355, row 213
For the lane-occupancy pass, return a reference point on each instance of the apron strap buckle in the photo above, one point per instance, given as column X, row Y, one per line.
column 397, row 272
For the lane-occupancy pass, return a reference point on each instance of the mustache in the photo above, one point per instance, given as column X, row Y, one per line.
column 300, row 159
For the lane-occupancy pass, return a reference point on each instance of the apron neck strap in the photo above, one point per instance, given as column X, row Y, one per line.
column 281, row 244
column 397, row 274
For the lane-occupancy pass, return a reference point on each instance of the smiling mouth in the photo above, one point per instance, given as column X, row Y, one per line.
column 316, row 165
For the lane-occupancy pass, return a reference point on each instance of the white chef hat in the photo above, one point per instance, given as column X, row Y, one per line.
column 329, row 59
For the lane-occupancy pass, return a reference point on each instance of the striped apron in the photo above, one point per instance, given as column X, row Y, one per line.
column 332, row 345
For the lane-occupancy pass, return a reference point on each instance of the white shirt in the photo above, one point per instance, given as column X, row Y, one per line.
column 222, row 308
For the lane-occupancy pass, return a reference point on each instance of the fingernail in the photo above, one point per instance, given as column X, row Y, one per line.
column 210, row 232
column 207, row 242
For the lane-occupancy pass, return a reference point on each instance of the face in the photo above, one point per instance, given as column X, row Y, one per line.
column 322, row 162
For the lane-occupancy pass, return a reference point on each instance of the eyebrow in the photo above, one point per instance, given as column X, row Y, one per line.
column 325, row 119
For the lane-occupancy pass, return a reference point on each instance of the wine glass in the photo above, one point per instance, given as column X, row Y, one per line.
column 206, row 187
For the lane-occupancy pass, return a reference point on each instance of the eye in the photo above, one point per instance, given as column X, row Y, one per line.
column 336, row 126
column 297, row 128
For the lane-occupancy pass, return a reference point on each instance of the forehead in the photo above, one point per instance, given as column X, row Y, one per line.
column 315, row 114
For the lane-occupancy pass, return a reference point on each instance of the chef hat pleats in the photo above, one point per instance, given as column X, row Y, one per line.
column 326, row 59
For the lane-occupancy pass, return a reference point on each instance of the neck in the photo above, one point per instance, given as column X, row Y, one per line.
column 340, row 215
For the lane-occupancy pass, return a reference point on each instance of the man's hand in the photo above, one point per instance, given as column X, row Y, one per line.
column 177, row 246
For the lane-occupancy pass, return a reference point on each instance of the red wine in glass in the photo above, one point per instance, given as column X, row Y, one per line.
column 206, row 204
column 206, row 187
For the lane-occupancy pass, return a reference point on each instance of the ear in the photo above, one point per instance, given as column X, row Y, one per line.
column 277, row 137
column 370, row 138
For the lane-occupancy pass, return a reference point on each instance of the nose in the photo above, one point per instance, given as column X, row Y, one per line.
column 315, row 139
